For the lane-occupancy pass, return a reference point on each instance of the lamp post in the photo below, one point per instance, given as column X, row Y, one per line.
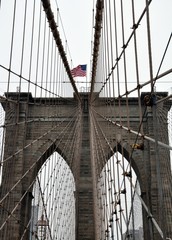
column 42, row 227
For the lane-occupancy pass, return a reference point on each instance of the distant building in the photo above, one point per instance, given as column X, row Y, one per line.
column 33, row 225
column 138, row 234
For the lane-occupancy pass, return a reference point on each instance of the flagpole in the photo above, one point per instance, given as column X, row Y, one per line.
column 86, row 80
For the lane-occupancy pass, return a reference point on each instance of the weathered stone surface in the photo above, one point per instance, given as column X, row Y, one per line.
column 60, row 112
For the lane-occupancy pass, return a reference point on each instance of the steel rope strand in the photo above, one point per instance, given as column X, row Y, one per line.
column 145, row 207
column 126, row 45
column 25, row 173
column 50, row 17
column 22, row 197
column 118, row 199
column 34, row 141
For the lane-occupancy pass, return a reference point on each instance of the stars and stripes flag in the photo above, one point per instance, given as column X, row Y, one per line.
column 79, row 71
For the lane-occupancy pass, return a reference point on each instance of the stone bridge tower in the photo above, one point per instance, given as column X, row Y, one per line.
column 148, row 164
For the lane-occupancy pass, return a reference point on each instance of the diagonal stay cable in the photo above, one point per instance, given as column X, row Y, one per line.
column 11, row 213
column 142, row 201
column 97, row 34
column 28, row 81
column 134, row 132
column 31, row 167
column 111, row 149
column 5, row 125
column 44, row 206
column 34, row 141
column 123, row 49
column 50, row 16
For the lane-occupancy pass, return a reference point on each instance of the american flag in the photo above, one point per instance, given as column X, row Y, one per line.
column 79, row 71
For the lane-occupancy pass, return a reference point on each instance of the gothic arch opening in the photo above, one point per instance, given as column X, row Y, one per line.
column 2, row 117
column 170, row 132
column 53, row 204
column 118, row 194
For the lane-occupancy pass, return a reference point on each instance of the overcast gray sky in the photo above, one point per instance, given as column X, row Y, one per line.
column 76, row 16
column 77, row 20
